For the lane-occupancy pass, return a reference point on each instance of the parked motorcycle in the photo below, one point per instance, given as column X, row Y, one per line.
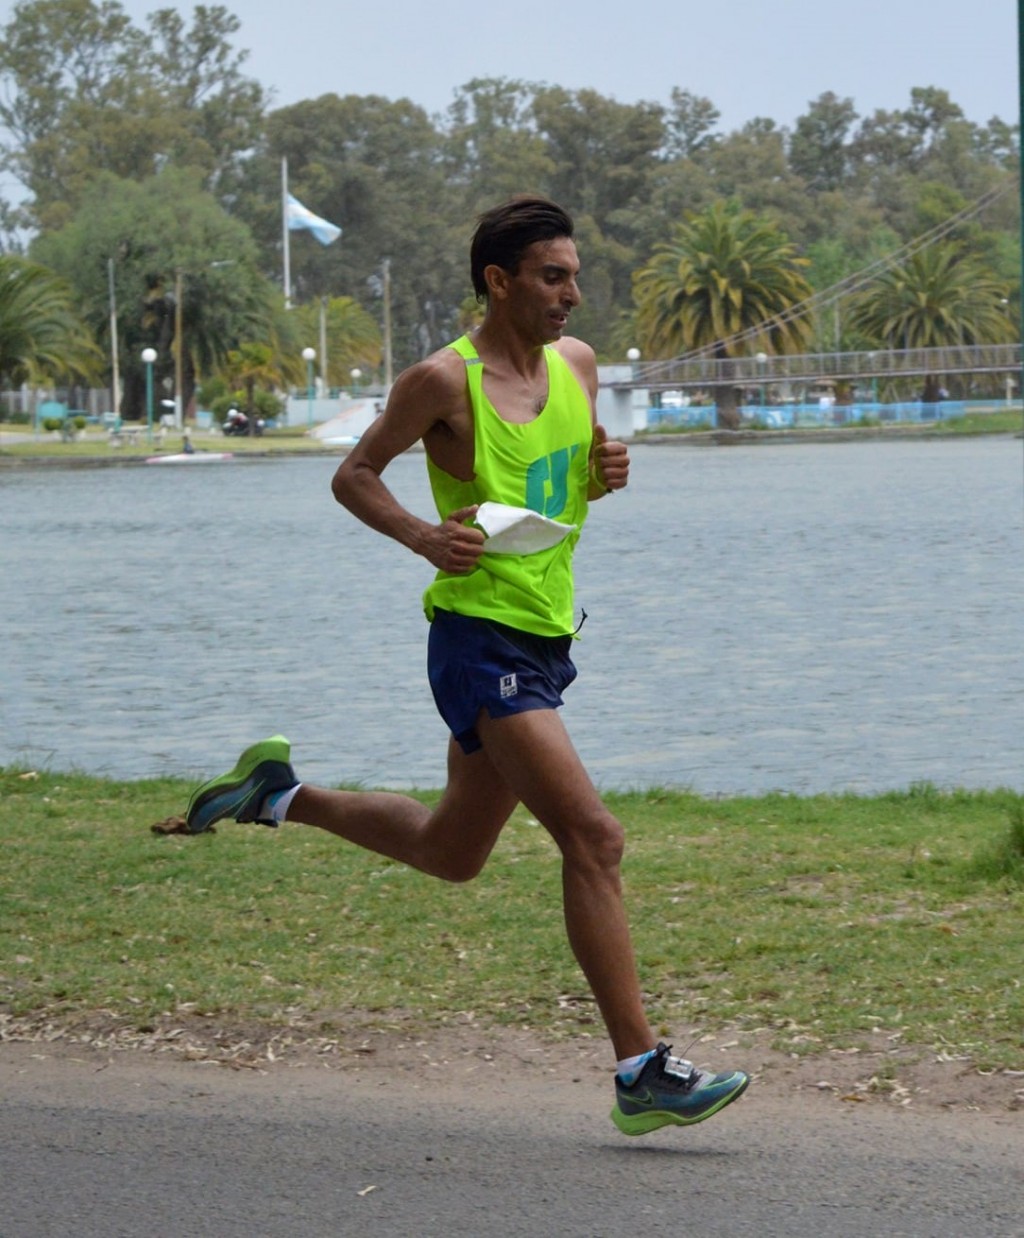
column 237, row 423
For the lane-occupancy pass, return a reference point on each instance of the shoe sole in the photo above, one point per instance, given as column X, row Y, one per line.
column 273, row 751
column 644, row 1123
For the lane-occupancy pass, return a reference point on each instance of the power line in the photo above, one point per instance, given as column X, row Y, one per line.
column 850, row 284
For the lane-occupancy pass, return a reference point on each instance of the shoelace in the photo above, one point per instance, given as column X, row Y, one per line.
column 682, row 1069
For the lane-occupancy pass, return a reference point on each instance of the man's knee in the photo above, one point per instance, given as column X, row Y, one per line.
column 458, row 868
column 596, row 840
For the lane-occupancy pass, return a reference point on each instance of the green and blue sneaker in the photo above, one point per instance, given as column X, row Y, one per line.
column 669, row 1091
column 239, row 794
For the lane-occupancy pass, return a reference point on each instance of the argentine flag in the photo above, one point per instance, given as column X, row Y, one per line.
column 301, row 218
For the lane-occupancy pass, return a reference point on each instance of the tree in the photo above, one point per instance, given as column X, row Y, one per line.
column 375, row 168
column 163, row 235
column 725, row 273
column 690, row 125
column 86, row 91
column 40, row 335
column 250, row 366
column 602, row 152
column 940, row 296
column 818, row 149
column 901, row 143
column 491, row 142
column 828, row 262
column 353, row 337
column 750, row 167
column 605, row 155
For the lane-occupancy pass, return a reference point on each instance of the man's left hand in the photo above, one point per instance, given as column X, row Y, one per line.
column 609, row 461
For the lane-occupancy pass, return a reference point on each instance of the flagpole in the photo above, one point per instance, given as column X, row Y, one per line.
column 324, row 383
column 1020, row 117
column 387, row 322
column 115, row 394
column 284, row 228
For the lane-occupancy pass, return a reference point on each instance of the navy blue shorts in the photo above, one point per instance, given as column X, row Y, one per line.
column 476, row 664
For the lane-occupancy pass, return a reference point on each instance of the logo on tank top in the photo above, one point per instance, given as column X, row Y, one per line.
column 547, row 482
column 507, row 685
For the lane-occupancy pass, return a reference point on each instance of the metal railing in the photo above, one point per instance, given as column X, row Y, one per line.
column 877, row 364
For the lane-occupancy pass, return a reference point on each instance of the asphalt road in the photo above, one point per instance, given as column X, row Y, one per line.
column 129, row 1144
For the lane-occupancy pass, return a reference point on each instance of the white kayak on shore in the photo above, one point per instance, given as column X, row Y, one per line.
column 191, row 457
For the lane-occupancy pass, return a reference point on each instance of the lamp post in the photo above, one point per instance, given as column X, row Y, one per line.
column 633, row 357
column 148, row 357
column 325, row 390
column 762, row 360
column 355, row 374
column 115, row 381
column 309, row 354
column 1005, row 301
column 179, row 318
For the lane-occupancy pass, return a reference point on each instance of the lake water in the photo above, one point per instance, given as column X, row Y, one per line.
column 802, row 617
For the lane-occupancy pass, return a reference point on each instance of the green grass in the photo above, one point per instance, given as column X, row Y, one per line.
column 294, row 440
column 96, row 445
column 832, row 921
column 1004, row 421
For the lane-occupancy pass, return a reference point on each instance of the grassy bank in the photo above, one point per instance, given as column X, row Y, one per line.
column 1000, row 421
column 829, row 921
column 95, row 445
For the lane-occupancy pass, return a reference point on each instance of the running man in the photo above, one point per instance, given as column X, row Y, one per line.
column 507, row 416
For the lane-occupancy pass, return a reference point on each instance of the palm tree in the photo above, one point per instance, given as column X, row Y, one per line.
column 250, row 366
column 941, row 296
column 724, row 274
column 40, row 334
column 219, row 309
column 353, row 336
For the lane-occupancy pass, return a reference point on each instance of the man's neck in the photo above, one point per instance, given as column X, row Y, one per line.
column 499, row 344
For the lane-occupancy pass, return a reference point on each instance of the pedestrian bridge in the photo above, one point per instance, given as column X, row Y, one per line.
column 707, row 371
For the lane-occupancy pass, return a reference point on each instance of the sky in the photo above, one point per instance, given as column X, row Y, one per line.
column 750, row 58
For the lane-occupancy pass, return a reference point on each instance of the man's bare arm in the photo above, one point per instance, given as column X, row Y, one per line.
column 421, row 397
column 609, row 459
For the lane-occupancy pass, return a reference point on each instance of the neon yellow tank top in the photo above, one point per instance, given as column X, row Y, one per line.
column 543, row 465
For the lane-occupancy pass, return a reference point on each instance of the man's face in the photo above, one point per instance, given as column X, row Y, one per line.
column 543, row 291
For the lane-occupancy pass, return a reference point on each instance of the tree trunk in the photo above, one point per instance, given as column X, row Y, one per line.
column 727, row 414
column 931, row 389
column 728, row 408
column 250, row 404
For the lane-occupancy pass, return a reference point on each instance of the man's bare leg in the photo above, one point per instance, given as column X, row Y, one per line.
column 526, row 757
column 451, row 841
column 538, row 764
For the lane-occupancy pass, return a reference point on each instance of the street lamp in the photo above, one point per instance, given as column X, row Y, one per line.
column 148, row 357
column 309, row 354
column 179, row 318
column 1005, row 303
column 762, row 359
column 355, row 374
column 633, row 357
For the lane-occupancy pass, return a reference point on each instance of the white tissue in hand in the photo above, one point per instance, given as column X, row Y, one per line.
column 517, row 530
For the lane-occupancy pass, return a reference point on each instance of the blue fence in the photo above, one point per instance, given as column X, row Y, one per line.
column 782, row 416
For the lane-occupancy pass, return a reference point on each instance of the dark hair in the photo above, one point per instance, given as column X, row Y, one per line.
column 505, row 232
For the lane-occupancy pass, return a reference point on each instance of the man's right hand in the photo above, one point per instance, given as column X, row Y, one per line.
column 455, row 546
